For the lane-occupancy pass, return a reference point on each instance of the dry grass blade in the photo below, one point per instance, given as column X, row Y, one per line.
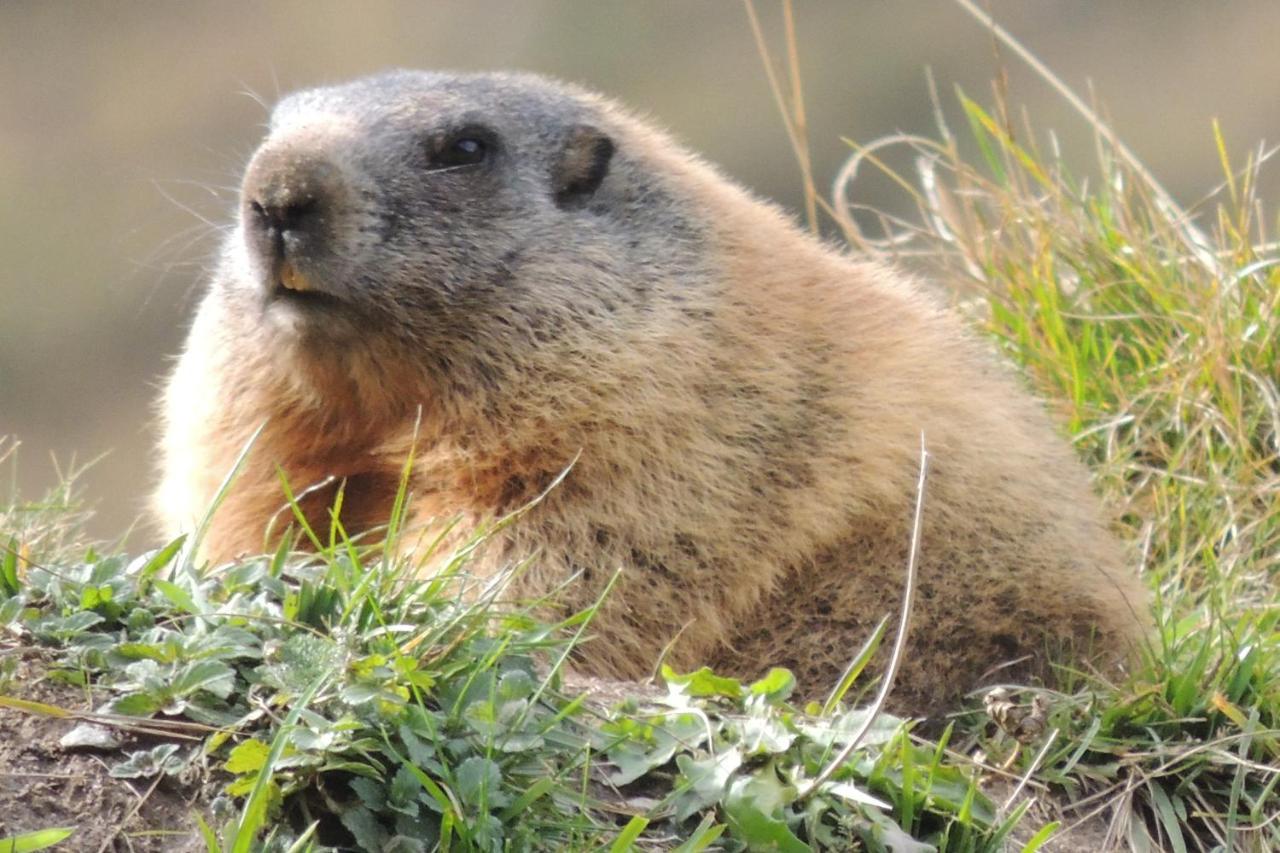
column 793, row 115
column 899, row 641
column 1196, row 241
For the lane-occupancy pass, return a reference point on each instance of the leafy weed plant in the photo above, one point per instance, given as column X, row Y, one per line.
column 337, row 700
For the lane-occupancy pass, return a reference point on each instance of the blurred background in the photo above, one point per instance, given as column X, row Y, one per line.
column 124, row 126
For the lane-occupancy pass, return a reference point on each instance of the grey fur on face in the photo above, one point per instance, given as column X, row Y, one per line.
column 355, row 190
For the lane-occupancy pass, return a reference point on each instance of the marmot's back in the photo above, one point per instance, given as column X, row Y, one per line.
column 532, row 277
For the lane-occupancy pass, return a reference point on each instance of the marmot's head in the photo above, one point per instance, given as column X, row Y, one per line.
column 470, row 219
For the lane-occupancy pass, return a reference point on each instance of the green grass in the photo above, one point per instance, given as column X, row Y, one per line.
column 1155, row 339
column 1154, row 334
column 343, row 700
column 1160, row 343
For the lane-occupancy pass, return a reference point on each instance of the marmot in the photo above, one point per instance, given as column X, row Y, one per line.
column 529, row 279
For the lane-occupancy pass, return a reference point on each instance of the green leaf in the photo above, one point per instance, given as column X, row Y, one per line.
column 536, row 791
column 515, row 684
column 149, row 762
column 94, row 597
column 134, row 705
column 177, row 596
column 139, row 621
column 361, row 694
column 315, row 741
column 422, row 752
column 304, row 657
column 207, row 835
column 31, row 841
column 9, row 584
column 1037, row 841
column 765, row 735
column 480, row 779
column 105, row 570
column 1168, row 816
column 211, row 676
column 854, row 794
column 632, row 761
column 753, row 808
column 839, row 730
column 76, row 623
column 640, row 747
column 159, row 560
column 626, row 838
column 707, row 778
column 979, row 123
column 11, row 609
column 702, row 837
column 140, row 651
column 894, row 838
column 402, row 795
column 373, row 793
column 482, row 718
column 247, row 757
column 702, row 682
column 362, row 824
column 776, row 685
column 439, row 797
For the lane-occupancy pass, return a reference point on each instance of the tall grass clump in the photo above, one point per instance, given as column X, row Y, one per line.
column 1154, row 334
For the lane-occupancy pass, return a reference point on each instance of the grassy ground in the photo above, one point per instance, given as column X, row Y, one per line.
column 334, row 699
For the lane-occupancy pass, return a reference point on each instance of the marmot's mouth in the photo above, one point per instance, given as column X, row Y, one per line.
column 290, row 286
column 289, row 296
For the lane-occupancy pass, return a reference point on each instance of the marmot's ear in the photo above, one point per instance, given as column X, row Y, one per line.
column 583, row 163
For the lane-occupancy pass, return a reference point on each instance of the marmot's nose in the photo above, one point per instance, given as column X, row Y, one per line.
column 281, row 217
column 289, row 197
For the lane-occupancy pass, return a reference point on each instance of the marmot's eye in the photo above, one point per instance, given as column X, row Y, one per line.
column 462, row 150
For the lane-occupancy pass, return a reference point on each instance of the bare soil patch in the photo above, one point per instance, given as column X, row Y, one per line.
column 43, row 785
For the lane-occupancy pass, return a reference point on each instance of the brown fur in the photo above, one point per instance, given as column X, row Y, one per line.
column 746, row 446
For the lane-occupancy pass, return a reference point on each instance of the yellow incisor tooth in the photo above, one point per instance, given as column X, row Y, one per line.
column 292, row 279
